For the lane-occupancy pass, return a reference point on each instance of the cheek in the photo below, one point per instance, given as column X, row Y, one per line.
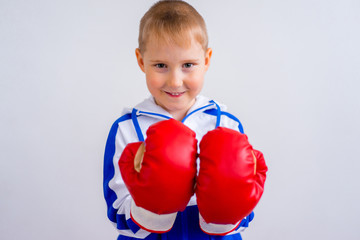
column 153, row 81
column 196, row 82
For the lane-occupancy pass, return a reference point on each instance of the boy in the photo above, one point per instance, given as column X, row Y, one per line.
column 156, row 185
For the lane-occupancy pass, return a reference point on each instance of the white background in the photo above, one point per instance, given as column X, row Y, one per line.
column 289, row 69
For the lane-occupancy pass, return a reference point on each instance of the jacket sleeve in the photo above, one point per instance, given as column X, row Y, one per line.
column 115, row 192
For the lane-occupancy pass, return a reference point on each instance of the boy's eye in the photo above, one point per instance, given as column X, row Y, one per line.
column 160, row 65
column 188, row 65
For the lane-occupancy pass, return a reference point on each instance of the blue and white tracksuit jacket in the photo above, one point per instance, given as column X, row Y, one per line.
column 204, row 116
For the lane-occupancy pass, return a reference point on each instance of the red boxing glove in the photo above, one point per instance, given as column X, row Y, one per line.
column 163, row 183
column 230, row 181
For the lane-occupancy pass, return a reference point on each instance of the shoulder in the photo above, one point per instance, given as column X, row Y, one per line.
column 124, row 117
column 126, row 114
column 230, row 121
column 227, row 119
column 123, row 127
column 132, row 124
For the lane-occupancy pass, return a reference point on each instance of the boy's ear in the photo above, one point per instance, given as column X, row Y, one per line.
column 208, row 55
column 140, row 59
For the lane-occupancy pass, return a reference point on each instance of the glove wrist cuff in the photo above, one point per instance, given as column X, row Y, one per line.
column 216, row 229
column 149, row 221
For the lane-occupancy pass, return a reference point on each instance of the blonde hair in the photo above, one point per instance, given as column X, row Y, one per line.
column 172, row 22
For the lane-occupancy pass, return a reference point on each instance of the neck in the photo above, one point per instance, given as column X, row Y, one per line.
column 179, row 115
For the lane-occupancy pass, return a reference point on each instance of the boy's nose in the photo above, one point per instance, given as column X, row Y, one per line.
column 175, row 79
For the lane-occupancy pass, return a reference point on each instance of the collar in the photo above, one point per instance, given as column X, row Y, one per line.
column 148, row 107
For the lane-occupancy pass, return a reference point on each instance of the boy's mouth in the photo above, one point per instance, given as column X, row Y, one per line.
column 174, row 94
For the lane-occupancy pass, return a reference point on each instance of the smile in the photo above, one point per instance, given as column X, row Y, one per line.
column 174, row 94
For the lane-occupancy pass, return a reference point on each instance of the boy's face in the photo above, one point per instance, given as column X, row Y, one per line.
column 174, row 74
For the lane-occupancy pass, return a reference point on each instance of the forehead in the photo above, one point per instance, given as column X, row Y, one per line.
column 164, row 48
column 182, row 37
